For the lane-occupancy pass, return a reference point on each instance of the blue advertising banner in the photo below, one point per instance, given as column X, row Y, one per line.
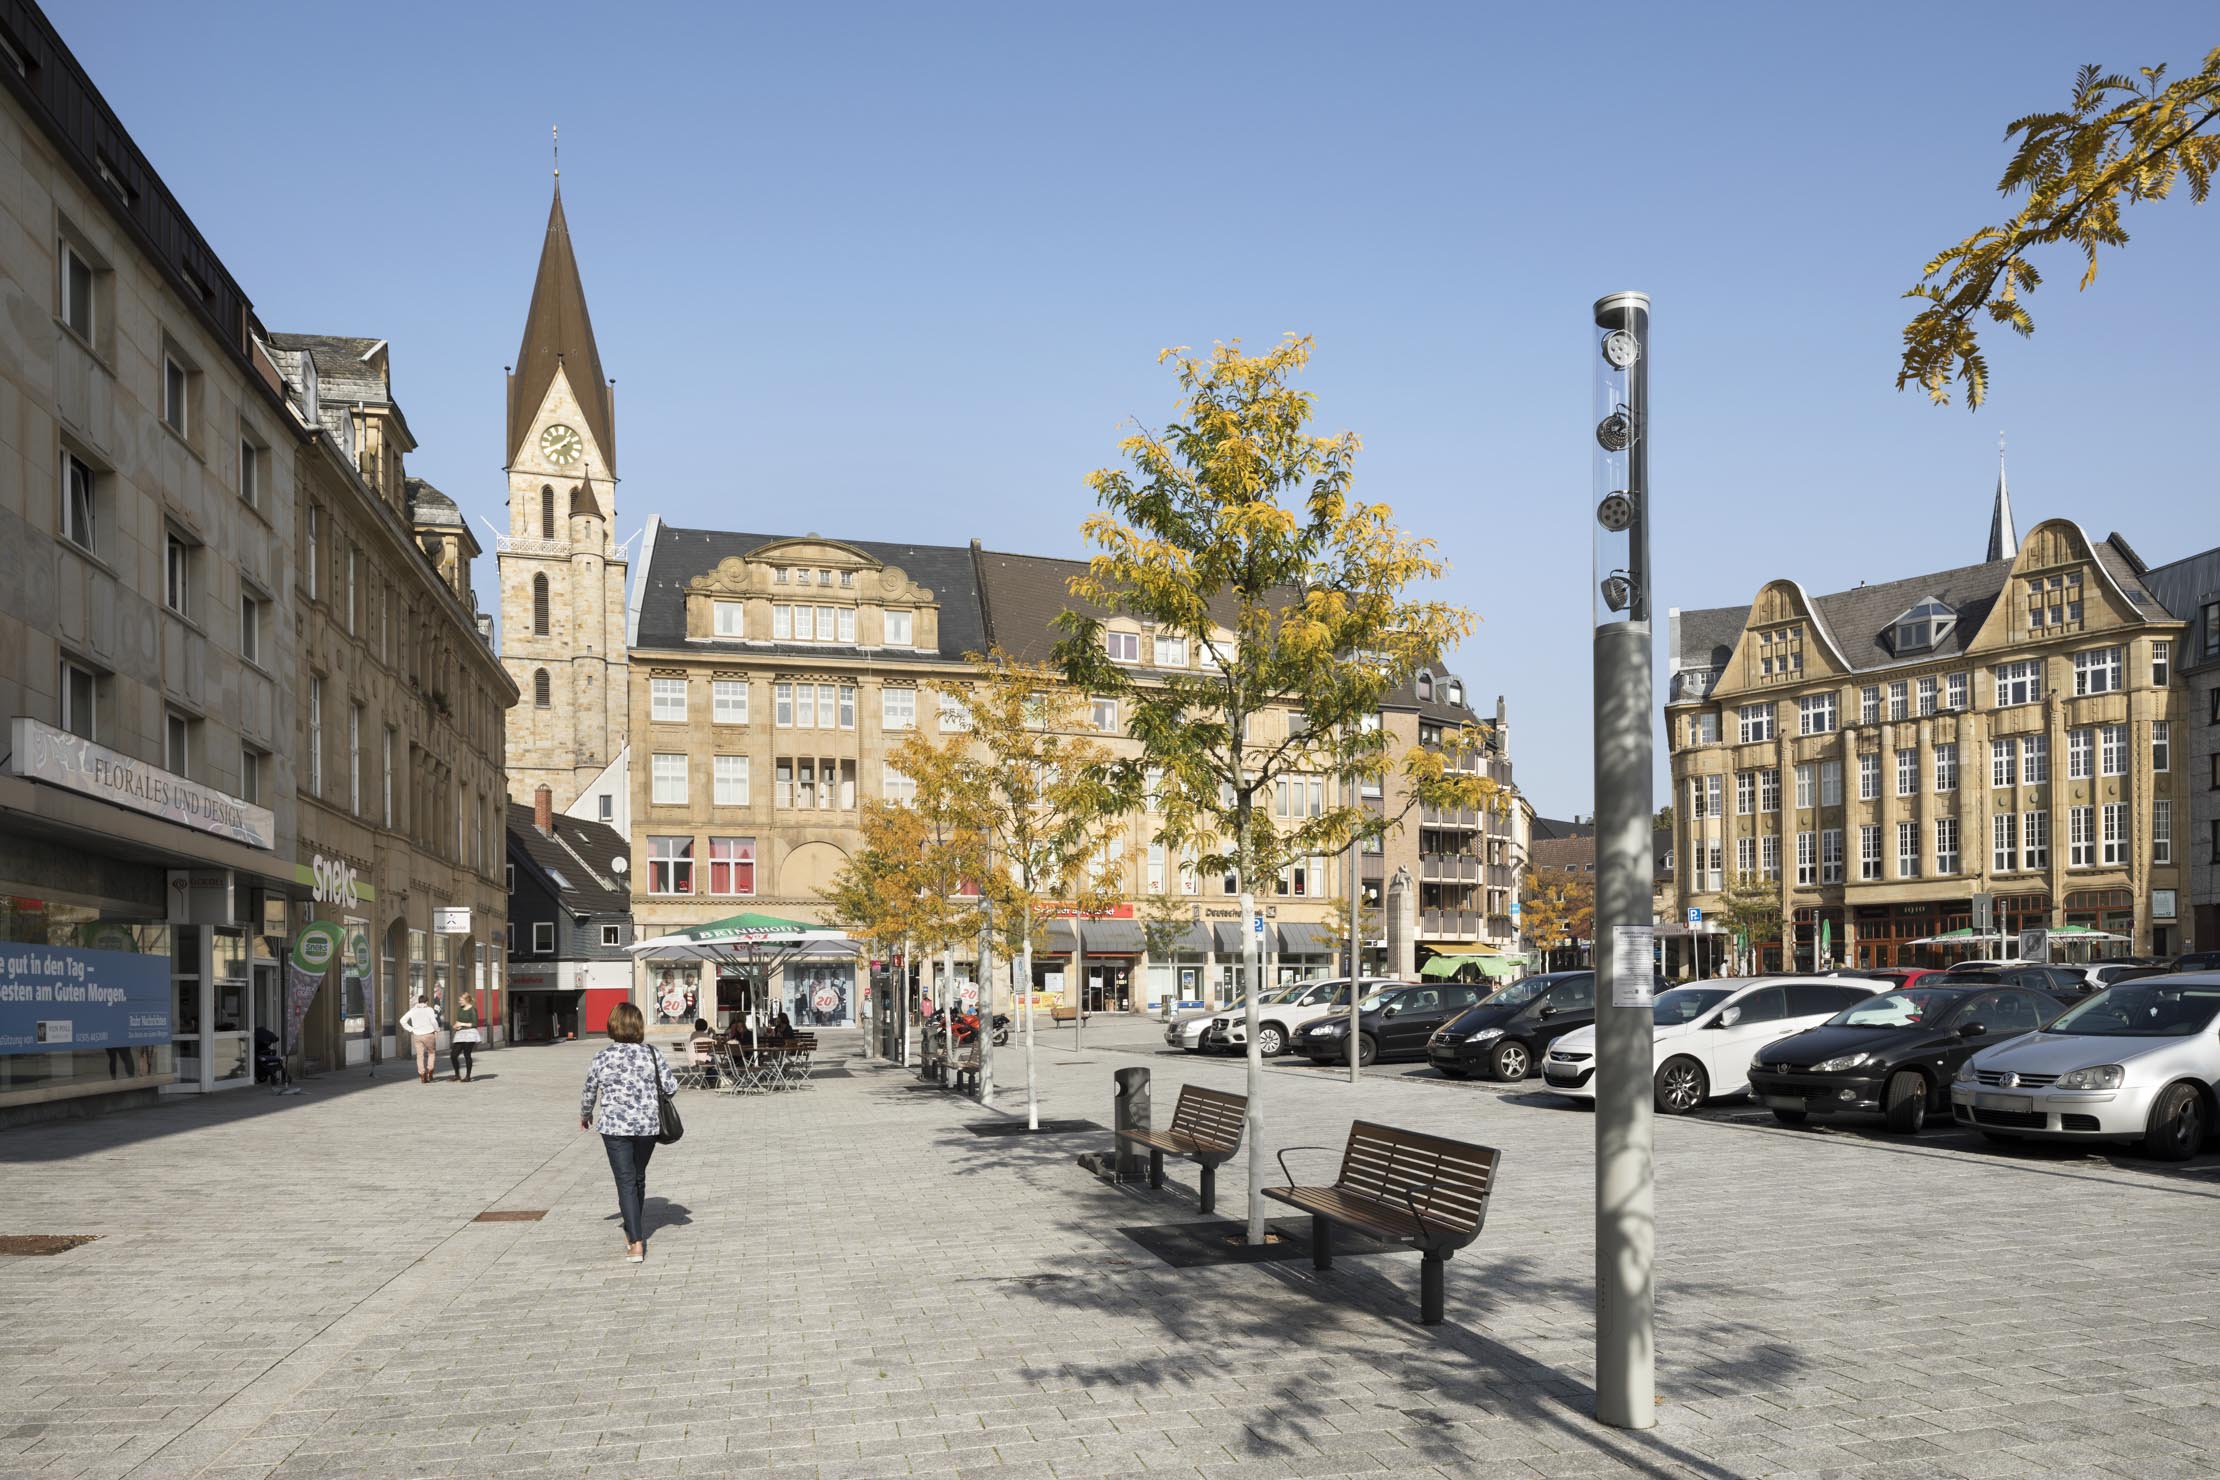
column 66, row 997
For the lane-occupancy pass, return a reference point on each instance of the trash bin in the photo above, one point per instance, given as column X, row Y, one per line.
column 1130, row 1112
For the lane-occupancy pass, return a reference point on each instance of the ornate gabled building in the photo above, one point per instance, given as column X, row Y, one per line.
column 562, row 574
column 1882, row 755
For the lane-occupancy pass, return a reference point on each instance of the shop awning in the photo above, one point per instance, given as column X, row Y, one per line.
column 1112, row 937
column 1306, row 938
column 1227, row 934
column 1493, row 967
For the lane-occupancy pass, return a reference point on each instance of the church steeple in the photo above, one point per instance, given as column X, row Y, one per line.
column 2004, row 540
column 559, row 338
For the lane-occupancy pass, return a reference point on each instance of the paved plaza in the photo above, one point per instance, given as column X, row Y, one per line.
column 845, row 1282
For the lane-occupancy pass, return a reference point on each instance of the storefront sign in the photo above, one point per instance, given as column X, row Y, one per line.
column 66, row 997
column 451, row 920
column 2162, row 904
column 317, row 946
column 203, row 896
column 58, row 758
column 334, row 881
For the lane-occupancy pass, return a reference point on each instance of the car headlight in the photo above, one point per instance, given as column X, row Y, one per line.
column 1325, row 1029
column 2100, row 1076
column 1965, row 1071
column 1845, row 1062
column 1482, row 1034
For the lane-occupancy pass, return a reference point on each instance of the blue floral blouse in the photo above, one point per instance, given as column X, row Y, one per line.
column 623, row 1078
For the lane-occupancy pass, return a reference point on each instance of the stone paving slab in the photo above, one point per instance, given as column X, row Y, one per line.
column 845, row 1282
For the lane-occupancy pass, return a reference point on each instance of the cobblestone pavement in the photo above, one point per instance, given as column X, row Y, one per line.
column 843, row 1282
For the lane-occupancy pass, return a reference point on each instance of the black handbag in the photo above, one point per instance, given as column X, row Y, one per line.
column 673, row 1128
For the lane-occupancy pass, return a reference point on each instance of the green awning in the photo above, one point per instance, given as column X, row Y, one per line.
column 1494, row 967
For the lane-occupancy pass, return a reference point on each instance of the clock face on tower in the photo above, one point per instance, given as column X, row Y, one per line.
column 561, row 445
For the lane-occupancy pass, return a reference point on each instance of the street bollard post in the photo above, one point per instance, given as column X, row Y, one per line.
column 1130, row 1112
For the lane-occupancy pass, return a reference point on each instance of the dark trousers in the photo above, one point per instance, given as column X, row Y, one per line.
column 460, row 1053
column 628, row 1162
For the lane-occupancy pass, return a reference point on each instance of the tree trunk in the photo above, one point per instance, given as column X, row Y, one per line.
column 950, row 998
column 1032, row 1087
column 1255, row 1084
column 1356, row 944
column 985, row 1029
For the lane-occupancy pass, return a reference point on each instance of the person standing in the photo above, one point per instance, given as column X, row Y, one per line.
column 422, row 1025
column 462, row 1044
column 620, row 1101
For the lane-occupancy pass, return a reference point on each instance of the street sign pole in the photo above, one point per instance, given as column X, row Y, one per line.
column 1626, row 1379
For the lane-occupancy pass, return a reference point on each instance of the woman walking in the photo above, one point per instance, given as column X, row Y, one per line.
column 462, row 1047
column 620, row 1101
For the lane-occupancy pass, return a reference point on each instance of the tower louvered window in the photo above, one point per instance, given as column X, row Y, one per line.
column 539, row 606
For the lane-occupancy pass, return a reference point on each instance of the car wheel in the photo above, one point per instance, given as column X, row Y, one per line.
column 1450, row 1071
column 1367, row 1049
column 1791, row 1117
column 2177, row 1129
column 1681, row 1086
column 1270, row 1041
column 1511, row 1060
column 1905, row 1100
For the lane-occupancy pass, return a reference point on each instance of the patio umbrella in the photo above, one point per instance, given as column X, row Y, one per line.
column 750, row 941
column 1964, row 935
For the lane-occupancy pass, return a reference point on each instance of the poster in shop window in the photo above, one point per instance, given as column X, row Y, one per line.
column 68, row 997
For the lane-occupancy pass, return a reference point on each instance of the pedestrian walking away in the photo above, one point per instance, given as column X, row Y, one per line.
column 422, row 1024
column 462, row 1045
column 622, row 1100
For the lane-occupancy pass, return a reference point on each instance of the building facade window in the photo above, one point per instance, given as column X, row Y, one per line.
column 2019, row 683
column 1807, row 858
column 315, row 736
column 729, row 779
column 78, row 292
column 79, row 502
column 2003, row 761
column 1806, row 784
column 670, row 865
column 1830, row 783
column 1954, row 691
column 955, row 715
column 728, row 701
column 1122, row 647
column 732, row 866
column 1907, row 850
column 667, row 700
column 250, row 626
column 2112, row 749
column 667, row 779
column 1927, row 694
column 1869, row 704
column 543, row 937
column 1171, row 652
column 1104, row 714
column 547, row 511
column 354, row 759
column 2113, row 834
column 2162, row 663
column 2081, row 840
column 2162, row 746
column 1869, row 851
column 176, row 396
column 1830, row 855
column 728, row 619
column 1816, row 714
column 177, row 743
column 385, row 774
column 898, row 709
column 2080, row 753
column 2162, row 830
column 896, row 787
column 2004, row 847
column 1756, row 723
column 1899, row 702
column 542, row 689
column 2034, row 759
column 177, row 574
column 2097, row 670
column 1745, row 793
column 2034, row 840
column 1907, row 772
column 898, row 629
column 1869, row 776
column 1769, row 789
column 79, row 700
column 541, row 616
column 1946, row 845
column 1946, row 766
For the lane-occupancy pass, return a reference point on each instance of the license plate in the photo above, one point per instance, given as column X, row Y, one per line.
column 1783, row 1102
column 2020, row 1103
column 1551, row 1071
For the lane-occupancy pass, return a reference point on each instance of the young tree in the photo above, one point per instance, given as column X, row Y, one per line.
column 1233, row 537
column 2121, row 142
column 874, row 899
column 1750, row 909
column 1045, row 799
column 1334, row 930
column 1555, row 905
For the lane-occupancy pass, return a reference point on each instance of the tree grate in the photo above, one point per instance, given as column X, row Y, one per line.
column 34, row 1245
column 1017, row 1128
column 511, row 1215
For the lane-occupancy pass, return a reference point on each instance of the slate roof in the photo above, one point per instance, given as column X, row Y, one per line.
column 987, row 598
column 1548, row 828
column 347, row 369
column 558, row 333
column 1857, row 621
column 580, row 854
column 427, row 505
column 682, row 556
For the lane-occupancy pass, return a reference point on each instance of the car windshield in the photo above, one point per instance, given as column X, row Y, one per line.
column 1902, row 1009
column 1686, row 1004
column 1525, row 989
column 2142, row 1009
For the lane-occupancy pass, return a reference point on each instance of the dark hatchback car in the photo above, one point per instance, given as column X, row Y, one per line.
column 2057, row 981
column 1506, row 1033
column 1894, row 1054
column 1396, row 1027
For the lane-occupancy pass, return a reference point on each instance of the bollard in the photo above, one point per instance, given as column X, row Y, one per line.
column 1130, row 1112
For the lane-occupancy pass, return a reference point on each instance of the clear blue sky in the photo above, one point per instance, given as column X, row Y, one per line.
column 899, row 272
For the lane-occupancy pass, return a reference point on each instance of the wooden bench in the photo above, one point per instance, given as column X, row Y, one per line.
column 1062, row 1013
column 1206, row 1129
column 965, row 1067
column 1426, row 1192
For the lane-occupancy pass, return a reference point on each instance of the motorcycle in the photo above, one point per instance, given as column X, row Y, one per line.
column 966, row 1027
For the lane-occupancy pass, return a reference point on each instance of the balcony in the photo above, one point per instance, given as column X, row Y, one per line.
column 1458, row 817
column 519, row 545
column 1451, row 924
column 1448, row 868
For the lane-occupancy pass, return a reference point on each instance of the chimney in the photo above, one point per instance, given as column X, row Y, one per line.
column 543, row 812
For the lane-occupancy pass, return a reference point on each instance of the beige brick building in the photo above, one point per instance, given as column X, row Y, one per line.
column 400, row 707
column 562, row 576
column 1883, row 754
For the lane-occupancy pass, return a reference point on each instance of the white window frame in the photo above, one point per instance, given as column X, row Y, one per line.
column 2004, row 761
column 900, row 627
column 667, row 856
column 667, row 700
column 2098, row 670
column 1830, row 783
column 1869, row 850
column 742, row 854
column 1168, row 652
column 2162, row 830
column 2162, row 746
column 1946, row 766
column 897, row 709
column 2081, row 837
column 2034, row 839
column 1122, row 647
column 177, row 573
column 1946, row 845
column 2112, row 750
column 1869, row 775
column 2081, row 752
column 177, row 395
column 2004, row 843
column 1907, row 850
column 728, row 701
column 728, row 619
column 1754, row 723
column 80, row 301
column 1830, row 855
column 1907, row 771
column 250, row 625
column 80, row 513
column 1815, row 714
column 2019, row 683
column 729, row 781
column 2034, row 759
column 1104, row 714
column 667, row 784
column 2112, row 835
column 543, row 937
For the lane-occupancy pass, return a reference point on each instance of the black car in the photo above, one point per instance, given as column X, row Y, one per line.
column 2057, row 981
column 1396, row 1027
column 2198, row 961
column 1506, row 1033
column 1894, row 1054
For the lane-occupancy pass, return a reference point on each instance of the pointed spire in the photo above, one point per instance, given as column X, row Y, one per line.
column 558, row 334
column 2004, row 540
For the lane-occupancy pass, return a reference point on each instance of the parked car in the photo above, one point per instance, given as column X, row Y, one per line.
column 1394, row 1025
column 1706, row 1034
column 1895, row 976
column 1894, row 1054
column 1192, row 1031
column 2066, row 981
column 2198, row 961
column 1504, row 1032
column 1288, row 1018
column 2137, row 1062
column 2102, row 974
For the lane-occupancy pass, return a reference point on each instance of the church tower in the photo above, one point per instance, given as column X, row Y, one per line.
column 562, row 579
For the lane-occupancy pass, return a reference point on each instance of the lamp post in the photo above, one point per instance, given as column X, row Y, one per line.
column 1626, row 1235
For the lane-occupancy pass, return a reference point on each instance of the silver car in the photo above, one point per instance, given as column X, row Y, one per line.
column 2137, row 1062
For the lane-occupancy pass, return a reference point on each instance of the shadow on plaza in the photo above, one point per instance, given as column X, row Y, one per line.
column 60, row 1140
column 1456, row 1373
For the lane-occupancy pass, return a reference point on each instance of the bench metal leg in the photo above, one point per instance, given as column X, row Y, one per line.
column 1156, row 1167
column 1321, row 1243
column 1429, row 1288
column 1209, row 1189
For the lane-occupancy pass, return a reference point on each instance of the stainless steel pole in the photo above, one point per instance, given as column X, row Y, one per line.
column 1356, row 938
column 1626, row 1384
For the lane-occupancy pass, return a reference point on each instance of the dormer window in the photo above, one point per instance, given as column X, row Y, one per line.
column 308, row 386
column 1922, row 628
column 1425, row 685
column 1456, row 692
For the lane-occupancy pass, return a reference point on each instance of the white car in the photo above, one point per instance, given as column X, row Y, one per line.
column 1280, row 1023
column 1194, row 1031
column 2136, row 1062
column 1706, row 1035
